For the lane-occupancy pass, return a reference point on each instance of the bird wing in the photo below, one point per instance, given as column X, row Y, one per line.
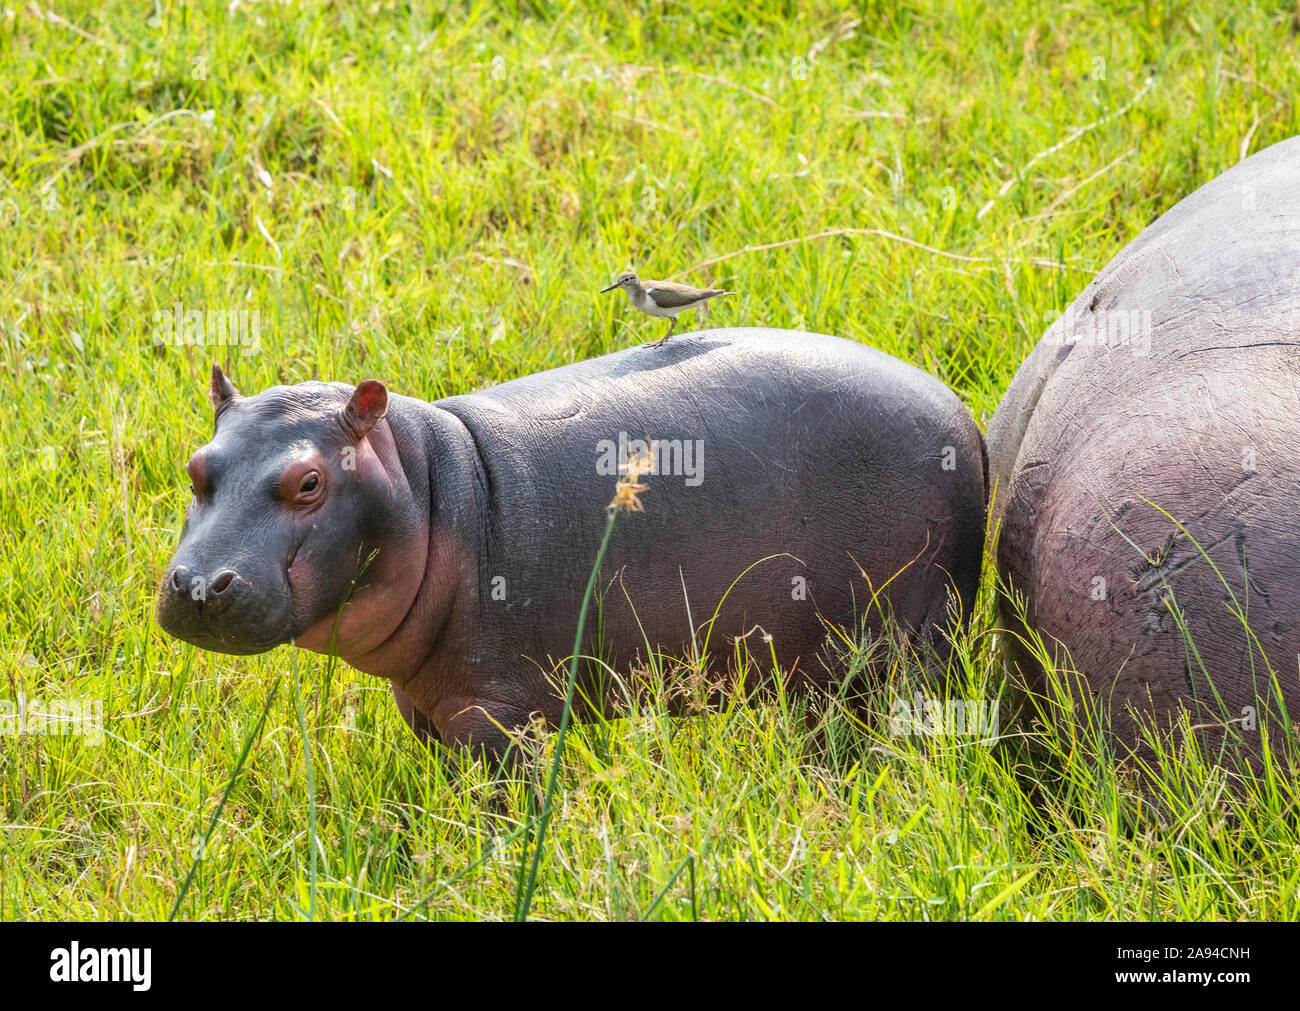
column 668, row 295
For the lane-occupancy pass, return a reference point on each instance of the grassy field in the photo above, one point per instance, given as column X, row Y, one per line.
column 432, row 196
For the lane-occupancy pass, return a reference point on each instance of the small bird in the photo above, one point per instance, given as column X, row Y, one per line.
column 664, row 298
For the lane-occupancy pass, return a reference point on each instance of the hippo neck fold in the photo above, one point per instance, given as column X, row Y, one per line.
column 403, row 602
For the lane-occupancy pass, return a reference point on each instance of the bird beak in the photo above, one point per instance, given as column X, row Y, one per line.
column 610, row 288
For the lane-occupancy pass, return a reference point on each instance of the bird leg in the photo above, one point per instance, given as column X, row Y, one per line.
column 672, row 326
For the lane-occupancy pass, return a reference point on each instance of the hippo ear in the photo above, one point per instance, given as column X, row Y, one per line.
column 220, row 389
column 366, row 409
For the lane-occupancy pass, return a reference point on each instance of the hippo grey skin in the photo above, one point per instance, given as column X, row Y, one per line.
column 486, row 512
column 1173, row 381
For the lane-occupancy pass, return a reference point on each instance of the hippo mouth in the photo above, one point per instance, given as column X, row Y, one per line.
column 232, row 645
column 227, row 613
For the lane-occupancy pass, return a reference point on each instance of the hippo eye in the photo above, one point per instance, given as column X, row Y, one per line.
column 300, row 488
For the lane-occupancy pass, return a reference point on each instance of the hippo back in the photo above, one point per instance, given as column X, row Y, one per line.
column 809, row 467
column 1144, row 459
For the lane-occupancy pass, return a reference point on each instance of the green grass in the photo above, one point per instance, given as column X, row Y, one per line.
column 432, row 196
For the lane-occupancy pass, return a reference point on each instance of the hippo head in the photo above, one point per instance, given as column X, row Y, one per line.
column 289, row 498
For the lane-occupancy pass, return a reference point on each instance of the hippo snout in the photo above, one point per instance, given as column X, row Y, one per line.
column 186, row 582
column 218, row 608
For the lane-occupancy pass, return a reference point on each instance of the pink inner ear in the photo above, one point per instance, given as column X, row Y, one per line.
column 370, row 400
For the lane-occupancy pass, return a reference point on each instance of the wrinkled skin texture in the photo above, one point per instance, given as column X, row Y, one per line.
column 484, row 514
column 1205, row 424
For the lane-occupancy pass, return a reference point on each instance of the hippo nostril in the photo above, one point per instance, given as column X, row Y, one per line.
column 222, row 580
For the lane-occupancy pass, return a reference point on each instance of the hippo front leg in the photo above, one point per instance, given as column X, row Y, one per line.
column 421, row 725
column 486, row 727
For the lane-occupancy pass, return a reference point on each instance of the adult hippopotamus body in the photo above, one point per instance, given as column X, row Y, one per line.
column 1146, row 469
column 825, row 462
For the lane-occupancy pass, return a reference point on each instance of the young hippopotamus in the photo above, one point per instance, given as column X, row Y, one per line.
column 1145, row 463
column 446, row 546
